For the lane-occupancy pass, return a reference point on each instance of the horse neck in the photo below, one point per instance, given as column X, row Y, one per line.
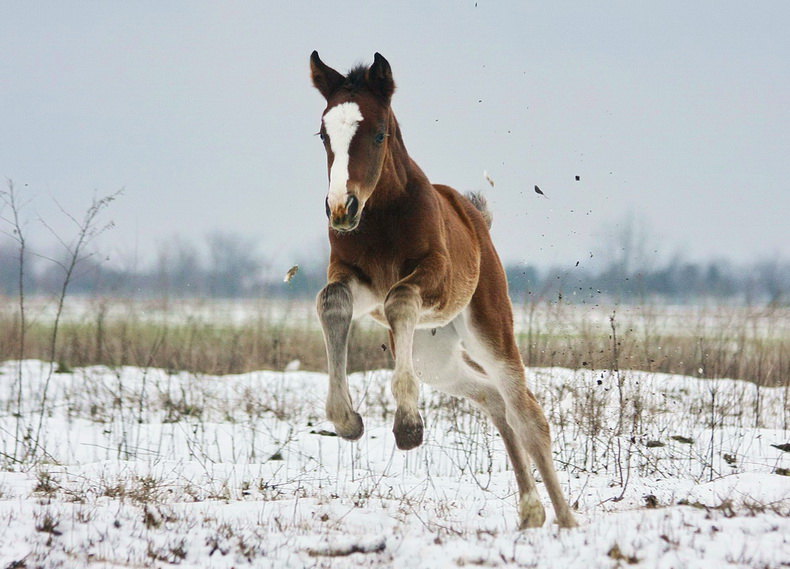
column 399, row 173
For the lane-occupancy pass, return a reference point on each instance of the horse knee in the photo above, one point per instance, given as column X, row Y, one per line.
column 335, row 304
column 401, row 304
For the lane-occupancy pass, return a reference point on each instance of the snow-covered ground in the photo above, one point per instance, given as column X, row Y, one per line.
column 144, row 468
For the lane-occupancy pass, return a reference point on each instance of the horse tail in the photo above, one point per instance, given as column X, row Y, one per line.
column 479, row 201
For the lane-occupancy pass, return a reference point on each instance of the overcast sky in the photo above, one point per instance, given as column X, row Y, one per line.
column 676, row 114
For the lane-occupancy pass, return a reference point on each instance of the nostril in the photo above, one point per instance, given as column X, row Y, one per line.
column 326, row 204
column 352, row 206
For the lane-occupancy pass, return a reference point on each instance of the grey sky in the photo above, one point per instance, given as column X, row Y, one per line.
column 676, row 114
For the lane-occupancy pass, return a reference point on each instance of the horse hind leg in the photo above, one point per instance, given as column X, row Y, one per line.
column 530, row 509
column 525, row 417
column 440, row 362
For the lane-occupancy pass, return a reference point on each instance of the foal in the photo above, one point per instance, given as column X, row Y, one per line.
column 418, row 258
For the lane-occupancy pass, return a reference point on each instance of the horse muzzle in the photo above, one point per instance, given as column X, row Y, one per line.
column 344, row 218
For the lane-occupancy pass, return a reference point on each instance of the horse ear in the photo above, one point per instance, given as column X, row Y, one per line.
column 325, row 79
column 379, row 77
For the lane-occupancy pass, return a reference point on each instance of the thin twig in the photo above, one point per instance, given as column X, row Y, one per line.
column 10, row 198
column 86, row 232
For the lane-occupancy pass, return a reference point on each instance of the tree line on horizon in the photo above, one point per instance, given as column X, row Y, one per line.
column 229, row 266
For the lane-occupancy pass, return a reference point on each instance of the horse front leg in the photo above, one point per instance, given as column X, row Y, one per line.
column 335, row 309
column 402, row 308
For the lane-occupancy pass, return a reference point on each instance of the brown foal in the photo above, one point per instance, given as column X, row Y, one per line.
column 418, row 258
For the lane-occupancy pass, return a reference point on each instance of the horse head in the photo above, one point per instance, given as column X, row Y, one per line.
column 356, row 129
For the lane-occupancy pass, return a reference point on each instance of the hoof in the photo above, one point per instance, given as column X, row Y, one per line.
column 352, row 428
column 407, row 430
column 530, row 511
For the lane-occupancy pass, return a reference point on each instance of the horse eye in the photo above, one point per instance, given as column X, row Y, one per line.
column 322, row 136
column 380, row 137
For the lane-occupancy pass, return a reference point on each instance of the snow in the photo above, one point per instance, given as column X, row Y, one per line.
column 146, row 468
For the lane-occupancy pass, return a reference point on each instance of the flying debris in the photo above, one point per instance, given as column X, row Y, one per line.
column 539, row 191
column 488, row 178
column 291, row 273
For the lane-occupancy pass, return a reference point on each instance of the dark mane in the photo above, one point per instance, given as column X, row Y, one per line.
column 356, row 79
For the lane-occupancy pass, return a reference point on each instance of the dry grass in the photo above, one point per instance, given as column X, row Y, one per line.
column 710, row 342
column 153, row 335
column 720, row 342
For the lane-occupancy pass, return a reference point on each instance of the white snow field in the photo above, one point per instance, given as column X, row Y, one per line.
column 144, row 468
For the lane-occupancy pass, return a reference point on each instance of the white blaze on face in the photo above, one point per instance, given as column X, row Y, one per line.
column 341, row 124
